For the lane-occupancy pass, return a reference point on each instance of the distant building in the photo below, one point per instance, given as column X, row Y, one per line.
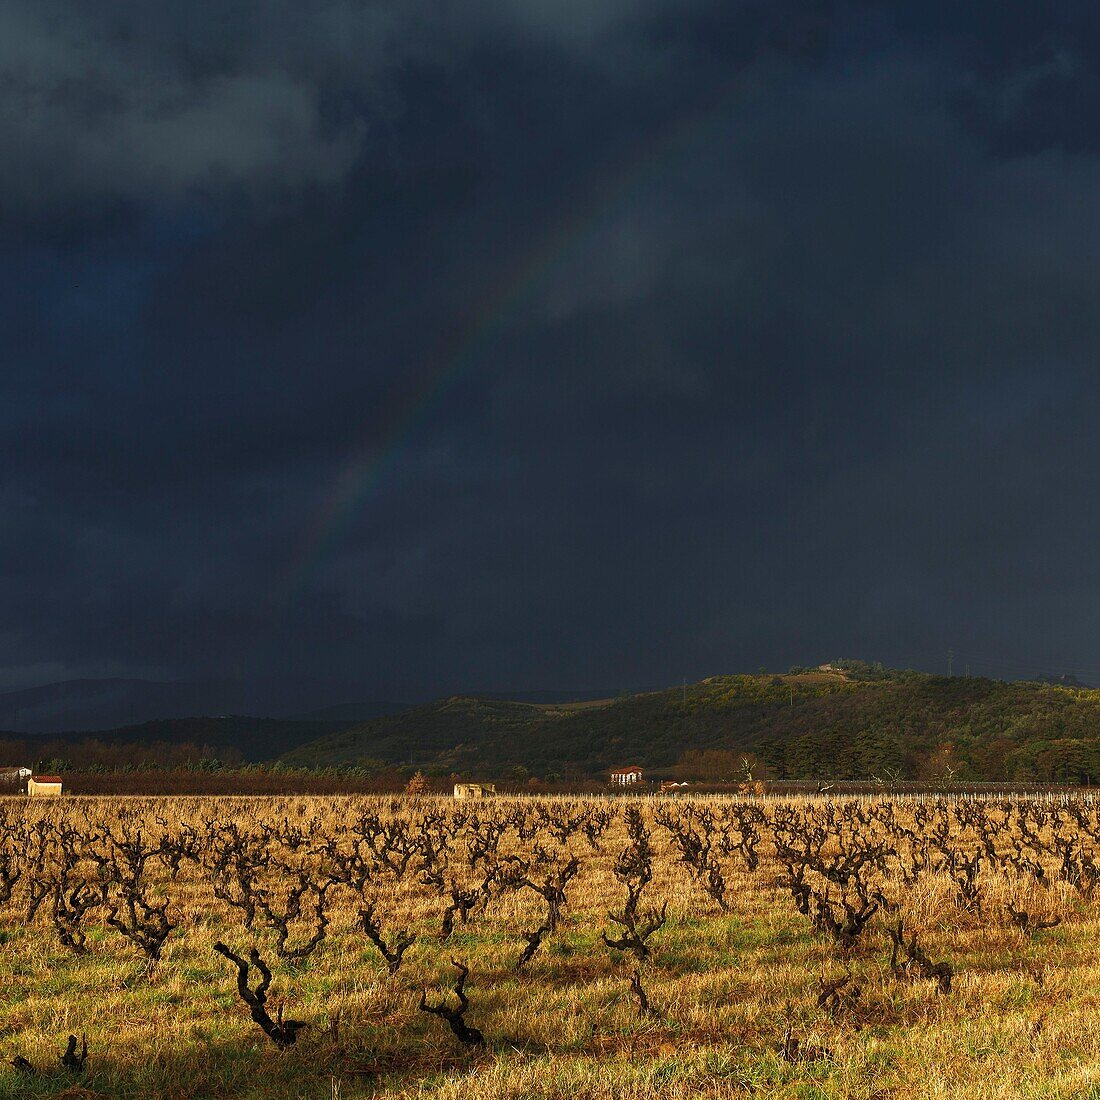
column 14, row 780
column 44, row 785
column 671, row 785
column 474, row 790
column 627, row 777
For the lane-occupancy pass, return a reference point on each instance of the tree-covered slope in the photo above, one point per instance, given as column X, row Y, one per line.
column 835, row 724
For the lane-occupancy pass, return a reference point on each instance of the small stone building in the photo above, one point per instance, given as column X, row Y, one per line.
column 474, row 790
column 44, row 786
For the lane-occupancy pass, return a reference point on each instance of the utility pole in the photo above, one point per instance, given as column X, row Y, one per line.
column 968, row 670
column 685, row 692
column 950, row 661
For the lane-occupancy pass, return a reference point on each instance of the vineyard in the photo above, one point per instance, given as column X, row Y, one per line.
column 344, row 947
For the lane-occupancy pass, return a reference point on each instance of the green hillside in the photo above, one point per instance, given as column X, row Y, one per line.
column 852, row 724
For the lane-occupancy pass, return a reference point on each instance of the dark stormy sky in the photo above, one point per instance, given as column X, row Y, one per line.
column 519, row 344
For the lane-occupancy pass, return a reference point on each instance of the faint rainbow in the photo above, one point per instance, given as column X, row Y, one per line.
column 365, row 468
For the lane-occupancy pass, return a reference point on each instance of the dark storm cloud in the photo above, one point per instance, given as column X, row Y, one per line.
column 691, row 337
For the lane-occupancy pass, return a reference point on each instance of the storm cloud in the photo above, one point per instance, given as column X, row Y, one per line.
column 425, row 347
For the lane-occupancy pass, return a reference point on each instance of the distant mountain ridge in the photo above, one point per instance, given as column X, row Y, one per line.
column 234, row 738
column 87, row 705
column 106, row 705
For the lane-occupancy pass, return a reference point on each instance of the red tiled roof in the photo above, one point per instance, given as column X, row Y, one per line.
column 47, row 779
column 627, row 771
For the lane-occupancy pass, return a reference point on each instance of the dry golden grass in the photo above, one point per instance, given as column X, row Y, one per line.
column 1021, row 1019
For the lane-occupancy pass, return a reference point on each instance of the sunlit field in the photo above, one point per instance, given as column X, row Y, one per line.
column 630, row 947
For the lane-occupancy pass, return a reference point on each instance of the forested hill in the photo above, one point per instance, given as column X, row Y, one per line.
column 851, row 724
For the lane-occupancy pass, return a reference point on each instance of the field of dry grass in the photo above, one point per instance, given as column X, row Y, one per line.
column 746, row 919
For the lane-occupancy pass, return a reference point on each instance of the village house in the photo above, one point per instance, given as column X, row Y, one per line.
column 44, row 785
column 14, row 780
column 627, row 777
column 474, row 790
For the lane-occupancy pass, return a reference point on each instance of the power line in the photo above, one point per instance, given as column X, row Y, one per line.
column 927, row 661
column 996, row 662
